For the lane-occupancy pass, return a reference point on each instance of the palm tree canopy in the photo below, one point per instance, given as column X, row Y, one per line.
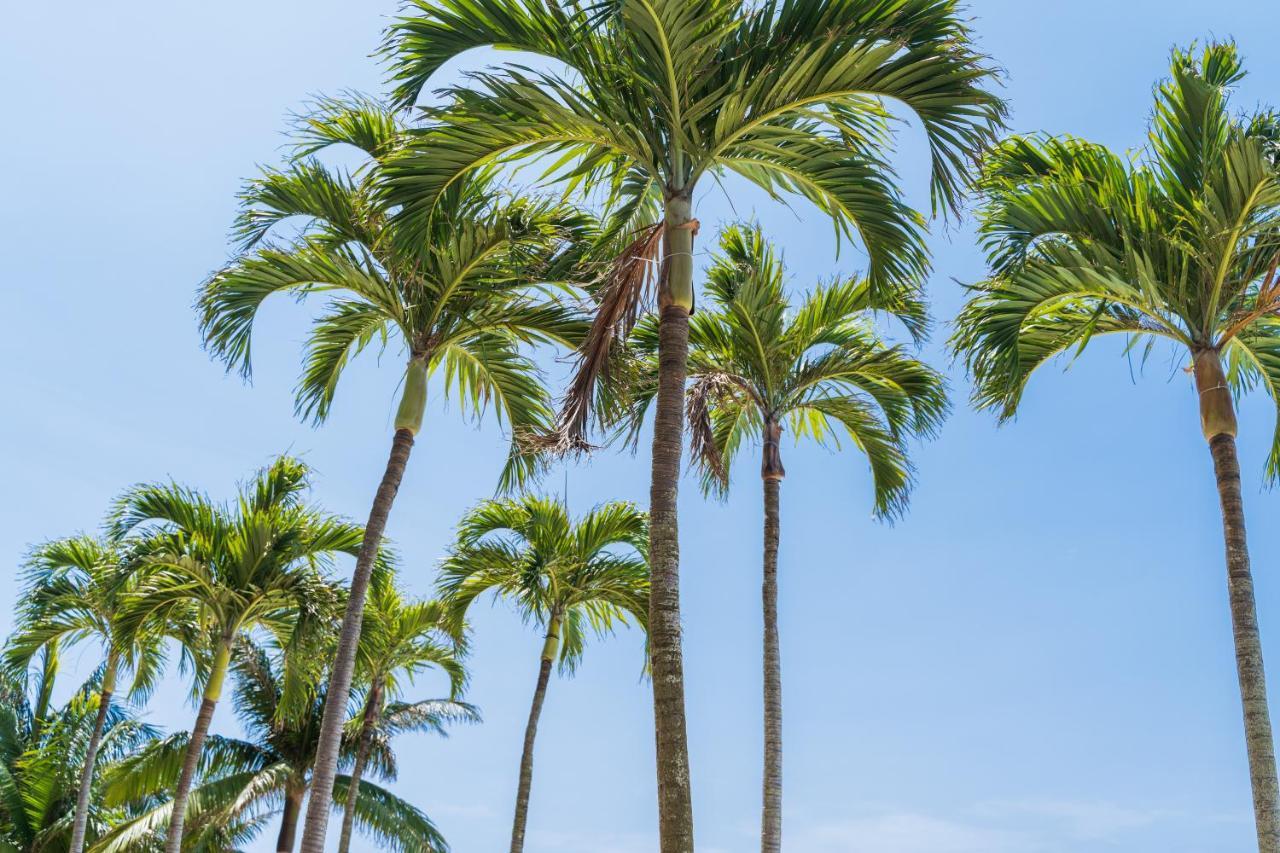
column 790, row 95
column 1179, row 242
column 462, row 297
column 401, row 638
column 216, row 570
column 588, row 574
column 75, row 591
column 821, row 370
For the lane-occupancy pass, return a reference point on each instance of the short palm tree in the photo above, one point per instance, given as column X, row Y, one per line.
column 42, row 752
column 75, row 589
column 401, row 639
column 565, row 577
column 755, row 368
column 659, row 97
column 460, row 299
column 1181, row 245
column 243, row 779
column 216, row 572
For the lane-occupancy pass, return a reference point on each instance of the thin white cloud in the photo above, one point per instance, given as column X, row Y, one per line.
column 908, row 832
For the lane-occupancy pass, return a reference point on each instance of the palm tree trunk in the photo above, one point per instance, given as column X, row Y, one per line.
column 675, row 801
column 531, row 733
column 81, row 821
column 771, row 810
column 372, row 710
column 335, row 705
column 1248, row 643
column 289, row 820
column 212, row 693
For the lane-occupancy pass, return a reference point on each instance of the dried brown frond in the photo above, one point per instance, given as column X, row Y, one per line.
column 626, row 292
column 701, row 396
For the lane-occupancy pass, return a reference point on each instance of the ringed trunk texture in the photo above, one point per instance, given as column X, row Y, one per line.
column 1248, row 643
column 530, row 735
column 289, row 820
column 771, row 810
column 675, row 801
column 81, row 822
column 372, row 710
column 212, row 693
column 335, row 706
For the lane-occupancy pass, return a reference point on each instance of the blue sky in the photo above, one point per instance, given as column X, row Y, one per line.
column 1037, row 658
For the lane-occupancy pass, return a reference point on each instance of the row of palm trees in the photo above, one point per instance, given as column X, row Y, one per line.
column 247, row 591
column 424, row 247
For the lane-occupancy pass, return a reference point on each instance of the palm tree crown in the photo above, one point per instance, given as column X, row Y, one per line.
column 460, row 298
column 757, row 366
column 530, row 552
column 1179, row 245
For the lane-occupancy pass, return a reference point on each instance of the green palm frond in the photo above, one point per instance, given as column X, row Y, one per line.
column 1178, row 243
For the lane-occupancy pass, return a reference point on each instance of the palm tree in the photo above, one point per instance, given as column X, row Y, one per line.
column 565, row 577
column 243, row 779
column 216, row 572
column 1181, row 245
column 756, row 368
column 401, row 639
column 42, row 751
column 657, row 95
column 460, row 299
column 75, row 589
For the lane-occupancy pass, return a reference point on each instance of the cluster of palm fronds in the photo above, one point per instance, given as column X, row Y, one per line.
column 428, row 248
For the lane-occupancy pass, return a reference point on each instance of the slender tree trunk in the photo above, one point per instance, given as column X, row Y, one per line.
column 531, row 733
column 335, row 706
column 1244, row 622
column 81, row 821
column 771, row 808
column 666, row 655
column 289, row 819
column 372, row 710
column 212, row 693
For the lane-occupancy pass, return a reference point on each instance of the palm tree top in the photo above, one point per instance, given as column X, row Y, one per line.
column 821, row 369
column 692, row 86
column 1179, row 242
column 589, row 574
column 263, row 558
column 460, row 293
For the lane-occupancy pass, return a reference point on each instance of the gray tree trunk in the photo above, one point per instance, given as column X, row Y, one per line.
column 771, row 812
column 289, row 820
column 335, row 706
column 1248, row 643
column 372, row 711
column 666, row 655
column 80, row 826
column 177, row 817
column 526, row 757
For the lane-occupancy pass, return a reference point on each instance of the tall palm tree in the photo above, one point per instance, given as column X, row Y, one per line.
column 565, row 577
column 216, row 572
column 242, row 779
column 460, row 298
column 42, row 751
column 1181, row 245
column 74, row 592
column 756, row 367
column 400, row 640
column 654, row 97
